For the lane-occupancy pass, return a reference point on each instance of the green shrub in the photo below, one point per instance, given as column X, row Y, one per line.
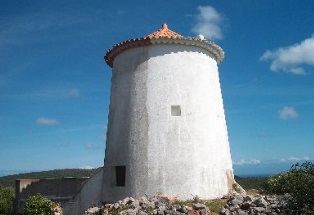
column 298, row 182
column 39, row 205
column 6, row 200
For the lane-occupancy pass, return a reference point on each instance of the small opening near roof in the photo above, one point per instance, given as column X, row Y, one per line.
column 175, row 110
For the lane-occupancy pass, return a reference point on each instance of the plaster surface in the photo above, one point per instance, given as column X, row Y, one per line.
column 89, row 196
column 183, row 155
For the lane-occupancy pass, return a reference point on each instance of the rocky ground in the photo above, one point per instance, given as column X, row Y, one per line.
column 240, row 204
column 248, row 204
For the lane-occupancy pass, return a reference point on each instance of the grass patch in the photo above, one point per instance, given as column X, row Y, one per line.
column 216, row 205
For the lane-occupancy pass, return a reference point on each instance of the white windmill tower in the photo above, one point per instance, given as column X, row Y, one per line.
column 167, row 131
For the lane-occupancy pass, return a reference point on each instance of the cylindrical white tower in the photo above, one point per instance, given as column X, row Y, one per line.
column 166, row 130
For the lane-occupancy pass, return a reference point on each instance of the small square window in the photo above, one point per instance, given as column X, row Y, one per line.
column 175, row 110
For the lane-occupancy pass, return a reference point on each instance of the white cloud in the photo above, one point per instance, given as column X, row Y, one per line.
column 208, row 23
column 74, row 92
column 84, row 128
column 292, row 58
column 47, row 121
column 91, row 146
column 247, row 162
column 294, row 159
column 288, row 113
column 87, row 167
column 306, row 158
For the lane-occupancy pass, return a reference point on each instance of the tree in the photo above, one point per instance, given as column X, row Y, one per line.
column 298, row 182
column 6, row 200
column 39, row 205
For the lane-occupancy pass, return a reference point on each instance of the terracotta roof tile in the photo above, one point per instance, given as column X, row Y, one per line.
column 164, row 32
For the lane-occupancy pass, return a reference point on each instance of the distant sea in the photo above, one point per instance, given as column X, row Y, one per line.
column 254, row 175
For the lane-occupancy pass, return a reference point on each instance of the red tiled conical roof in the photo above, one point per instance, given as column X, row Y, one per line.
column 164, row 36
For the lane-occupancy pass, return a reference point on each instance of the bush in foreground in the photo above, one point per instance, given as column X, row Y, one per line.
column 298, row 182
column 39, row 205
column 6, row 200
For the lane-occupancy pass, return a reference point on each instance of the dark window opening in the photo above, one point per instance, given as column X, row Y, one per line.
column 120, row 173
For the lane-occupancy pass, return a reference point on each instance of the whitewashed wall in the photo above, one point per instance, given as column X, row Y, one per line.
column 176, row 155
column 89, row 196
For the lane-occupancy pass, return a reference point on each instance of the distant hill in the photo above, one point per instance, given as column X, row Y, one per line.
column 9, row 181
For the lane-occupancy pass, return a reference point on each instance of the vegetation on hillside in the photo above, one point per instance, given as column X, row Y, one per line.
column 252, row 183
column 9, row 181
column 6, row 200
column 298, row 182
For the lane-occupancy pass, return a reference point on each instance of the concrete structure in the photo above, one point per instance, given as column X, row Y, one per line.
column 75, row 194
column 61, row 190
column 88, row 196
column 166, row 131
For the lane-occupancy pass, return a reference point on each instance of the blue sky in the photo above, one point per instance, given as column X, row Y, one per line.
column 55, row 85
